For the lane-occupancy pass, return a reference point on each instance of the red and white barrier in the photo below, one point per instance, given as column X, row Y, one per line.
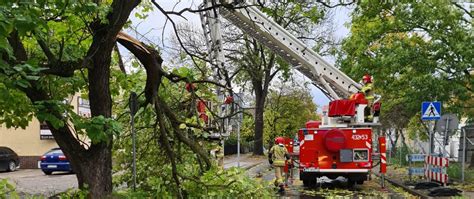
column 383, row 155
column 435, row 176
column 436, row 163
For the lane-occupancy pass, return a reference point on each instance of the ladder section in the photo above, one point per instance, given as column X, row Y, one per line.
column 329, row 79
column 211, row 25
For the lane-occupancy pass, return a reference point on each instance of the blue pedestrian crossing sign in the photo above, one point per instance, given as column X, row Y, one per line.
column 431, row 110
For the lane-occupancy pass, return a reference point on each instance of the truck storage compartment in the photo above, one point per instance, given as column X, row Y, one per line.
column 343, row 107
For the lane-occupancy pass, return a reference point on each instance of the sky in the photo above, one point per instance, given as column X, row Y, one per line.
column 155, row 29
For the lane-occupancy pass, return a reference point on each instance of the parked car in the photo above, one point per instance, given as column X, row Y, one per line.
column 54, row 160
column 8, row 159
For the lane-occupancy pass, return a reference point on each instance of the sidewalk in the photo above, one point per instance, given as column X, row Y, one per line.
column 247, row 161
column 255, row 166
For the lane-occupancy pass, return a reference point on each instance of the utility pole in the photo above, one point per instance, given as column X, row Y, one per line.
column 430, row 130
column 239, row 119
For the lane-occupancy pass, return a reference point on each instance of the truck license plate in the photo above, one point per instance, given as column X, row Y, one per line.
column 311, row 169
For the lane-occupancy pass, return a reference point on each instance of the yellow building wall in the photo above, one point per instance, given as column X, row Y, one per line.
column 26, row 142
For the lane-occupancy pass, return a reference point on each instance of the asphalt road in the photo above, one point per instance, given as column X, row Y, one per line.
column 338, row 188
column 35, row 182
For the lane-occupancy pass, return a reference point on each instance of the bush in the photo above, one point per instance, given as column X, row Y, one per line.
column 233, row 183
column 215, row 183
column 7, row 190
column 73, row 193
column 455, row 169
column 399, row 157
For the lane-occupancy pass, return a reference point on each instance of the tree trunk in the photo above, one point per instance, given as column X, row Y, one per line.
column 259, row 108
column 94, row 172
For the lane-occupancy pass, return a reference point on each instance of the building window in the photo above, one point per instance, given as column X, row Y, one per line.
column 83, row 107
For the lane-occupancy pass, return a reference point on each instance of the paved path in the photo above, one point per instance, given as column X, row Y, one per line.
column 247, row 161
column 35, row 182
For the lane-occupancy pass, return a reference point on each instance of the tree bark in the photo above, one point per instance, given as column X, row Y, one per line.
column 94, row 172
column 259, row 108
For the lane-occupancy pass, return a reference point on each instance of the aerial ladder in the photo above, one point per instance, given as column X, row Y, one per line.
column 336, row 85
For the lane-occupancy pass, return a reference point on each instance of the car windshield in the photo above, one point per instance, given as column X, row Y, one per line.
column 54, row 151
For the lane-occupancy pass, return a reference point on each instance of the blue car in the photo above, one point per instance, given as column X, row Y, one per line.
column 54, row 160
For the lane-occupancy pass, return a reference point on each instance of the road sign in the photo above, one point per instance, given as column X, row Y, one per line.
column 416, row 157
column 416, row 171
column 431, row 110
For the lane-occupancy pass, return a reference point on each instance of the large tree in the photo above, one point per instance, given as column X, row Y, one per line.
column 51, row 50
column 287, row 110
column 416, row 51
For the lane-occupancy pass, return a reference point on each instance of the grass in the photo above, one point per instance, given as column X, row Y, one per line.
column 454, row 172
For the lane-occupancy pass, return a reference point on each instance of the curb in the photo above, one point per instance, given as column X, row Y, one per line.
column 407, row 189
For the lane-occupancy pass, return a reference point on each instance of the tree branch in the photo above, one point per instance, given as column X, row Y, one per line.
column 151, row 61
column 45, row 48
column 120, row 61
column 328, row 5
column 462, row 8
column 18, row 48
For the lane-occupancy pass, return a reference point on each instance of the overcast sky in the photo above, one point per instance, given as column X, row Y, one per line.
column 155, row 30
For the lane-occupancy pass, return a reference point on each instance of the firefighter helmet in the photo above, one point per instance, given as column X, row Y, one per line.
column 279, row 140
column 367, row 79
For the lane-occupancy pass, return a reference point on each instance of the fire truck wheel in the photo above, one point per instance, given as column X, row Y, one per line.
column 309, row 183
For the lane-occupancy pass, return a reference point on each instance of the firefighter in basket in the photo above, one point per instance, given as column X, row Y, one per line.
column 277, row 156
column 367, row 94
column 368, row 91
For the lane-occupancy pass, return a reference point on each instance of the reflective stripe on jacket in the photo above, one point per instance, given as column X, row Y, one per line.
column 278, row 153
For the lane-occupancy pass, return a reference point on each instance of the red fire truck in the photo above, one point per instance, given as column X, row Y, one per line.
column 337, row 146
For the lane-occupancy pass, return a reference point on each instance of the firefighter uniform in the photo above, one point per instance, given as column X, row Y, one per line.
column 368, row 91
column 278, row 155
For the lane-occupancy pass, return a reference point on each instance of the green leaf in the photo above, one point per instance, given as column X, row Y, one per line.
column 22, row 83
column 32, row 78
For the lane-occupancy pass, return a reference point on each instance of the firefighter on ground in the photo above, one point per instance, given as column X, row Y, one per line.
column 277, row 156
